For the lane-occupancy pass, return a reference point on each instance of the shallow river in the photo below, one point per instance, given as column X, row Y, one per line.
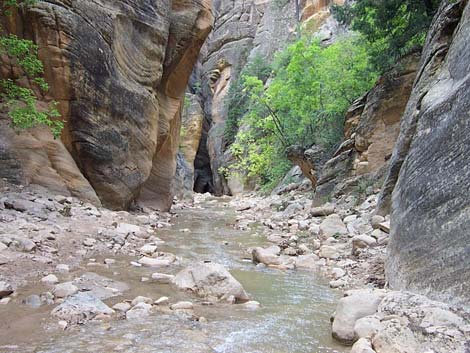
column 295, row 306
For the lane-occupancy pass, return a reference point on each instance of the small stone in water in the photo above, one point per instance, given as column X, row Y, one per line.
column 252, row 305
column 50, row 279
column 89, row 242
column 122, row 307
column 34, row 301
column 162, row 277
column 162, row 300
column 182, row 306
column 141, row 299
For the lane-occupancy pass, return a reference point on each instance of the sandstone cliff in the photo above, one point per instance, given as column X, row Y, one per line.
column 118, row 70
column 429, row 172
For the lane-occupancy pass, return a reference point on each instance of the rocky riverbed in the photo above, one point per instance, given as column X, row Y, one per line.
column 247, row 274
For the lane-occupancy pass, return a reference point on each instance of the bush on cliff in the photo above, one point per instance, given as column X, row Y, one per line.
column 20, row 101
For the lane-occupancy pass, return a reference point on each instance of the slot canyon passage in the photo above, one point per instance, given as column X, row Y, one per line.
column 243, row 176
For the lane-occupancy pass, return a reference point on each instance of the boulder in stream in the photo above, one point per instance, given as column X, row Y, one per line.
column 81, row 307
column 210, row 280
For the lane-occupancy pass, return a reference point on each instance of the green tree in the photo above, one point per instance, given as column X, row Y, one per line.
column 237, row 96
column 20, row 101
column 310, row 90
column 393, row 28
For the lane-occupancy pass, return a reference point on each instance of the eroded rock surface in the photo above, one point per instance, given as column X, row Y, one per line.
column 118, row 72
column 429, row 242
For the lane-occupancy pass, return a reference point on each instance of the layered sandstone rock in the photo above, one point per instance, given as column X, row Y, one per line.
column 119, row 72
column 190, row 137
column 429, row 172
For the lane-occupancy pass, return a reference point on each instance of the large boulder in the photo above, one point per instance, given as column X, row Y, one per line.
column 118, row 72
column 414, row 323
column 429, row 245
column 210, row 280
column 356, row 305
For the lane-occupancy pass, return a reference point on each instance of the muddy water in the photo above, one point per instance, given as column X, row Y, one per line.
column 294, row 314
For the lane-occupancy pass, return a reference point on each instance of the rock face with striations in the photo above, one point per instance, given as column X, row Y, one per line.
column 430, row 168
column 118, row 70
column 190, row 137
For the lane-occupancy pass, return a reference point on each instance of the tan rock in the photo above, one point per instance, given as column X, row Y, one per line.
column 358, row 304
column 121, row 130
column 329, row 252
column 332, row 226
column 363, row 345
column 325, row 210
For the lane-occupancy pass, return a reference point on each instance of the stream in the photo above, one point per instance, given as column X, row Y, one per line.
column 294, row 315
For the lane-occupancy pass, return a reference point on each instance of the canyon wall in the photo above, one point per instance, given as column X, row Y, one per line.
column 429, row 176
column 243, row 30
column 118, row 70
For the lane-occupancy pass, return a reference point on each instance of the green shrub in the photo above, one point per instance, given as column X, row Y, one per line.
column 310, row 90
column 392, row 28
column 236, row 100
column 21, row 102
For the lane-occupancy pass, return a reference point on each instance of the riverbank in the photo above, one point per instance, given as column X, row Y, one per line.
column 81, row 278
column 347, row 243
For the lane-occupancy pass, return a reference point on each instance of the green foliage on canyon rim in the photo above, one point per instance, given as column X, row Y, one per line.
column 21, row 102
column 309, row 91
column 392, row 28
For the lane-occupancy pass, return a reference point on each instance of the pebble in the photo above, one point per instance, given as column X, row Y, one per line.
column 34, row 301
column 64, row 290
column 162, row 301
column 50, row 279
column 148, row 249
column 62, row 268
column 141, row 299
column 184, row 305
column 5, row 301
column 139, row 311
column 62, row 324
column 252, row 305
column 5, row 289
column 376, row 220
column 122, row 307
column 162, row 277
column 89, row 242
column 337, row 273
